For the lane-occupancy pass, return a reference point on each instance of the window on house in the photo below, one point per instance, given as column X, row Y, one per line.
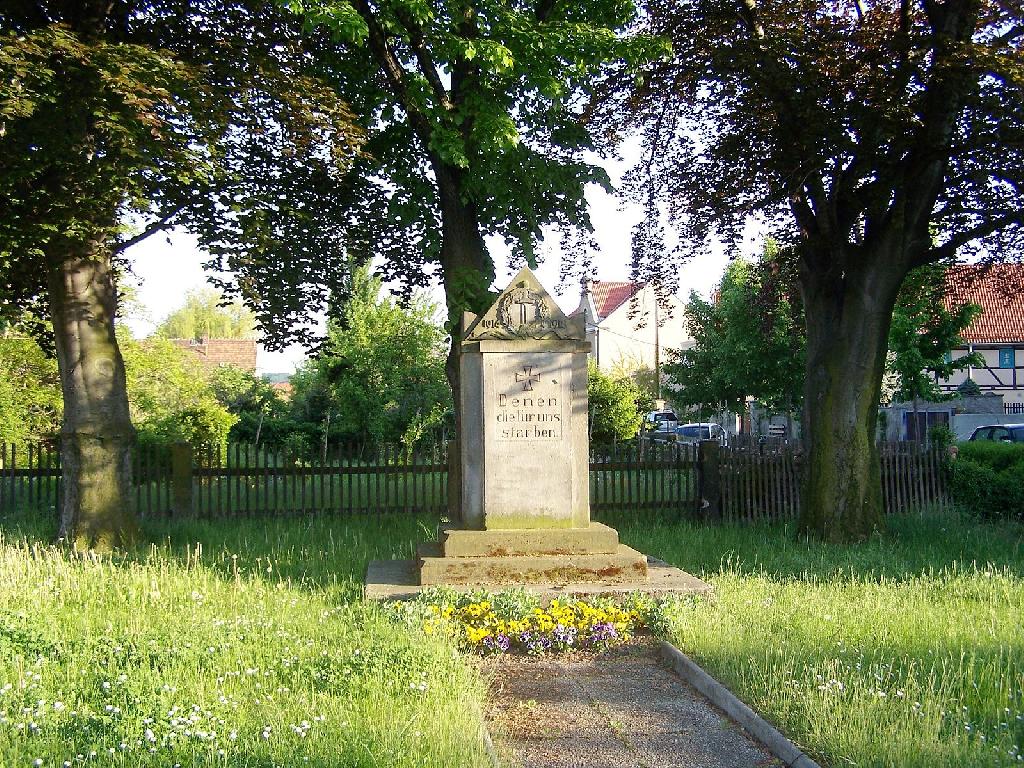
column 1006, row 357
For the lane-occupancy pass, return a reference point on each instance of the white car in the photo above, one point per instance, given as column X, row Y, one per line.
column 661, row 425
column 662, row 420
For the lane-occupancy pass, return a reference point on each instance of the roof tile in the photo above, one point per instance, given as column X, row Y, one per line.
column 999, row 290
column 609, row 295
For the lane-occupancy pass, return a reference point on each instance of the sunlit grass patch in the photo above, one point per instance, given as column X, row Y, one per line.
column 904, row 651
column 247, row 650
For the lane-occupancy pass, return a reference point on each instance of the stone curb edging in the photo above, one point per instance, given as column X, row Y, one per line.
column 492, row 753
column 488, row 742
column 724, row 699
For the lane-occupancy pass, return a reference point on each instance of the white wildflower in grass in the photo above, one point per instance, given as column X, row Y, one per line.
column 224, row 670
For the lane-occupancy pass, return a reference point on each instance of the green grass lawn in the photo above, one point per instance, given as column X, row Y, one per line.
column 904, row 651
column 245, row 643
column 251, row 648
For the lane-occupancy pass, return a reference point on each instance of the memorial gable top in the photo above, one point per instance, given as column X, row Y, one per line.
column 524, row 310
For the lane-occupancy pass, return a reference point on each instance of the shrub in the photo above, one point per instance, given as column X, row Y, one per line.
column 998, row 456
column 987, row 479
column 614, row 407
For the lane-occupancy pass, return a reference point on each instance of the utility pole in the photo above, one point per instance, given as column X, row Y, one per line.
column 657, row 348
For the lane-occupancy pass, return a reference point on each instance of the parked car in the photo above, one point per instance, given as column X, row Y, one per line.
column 661, row 425
column 1000, row 433
column 704, row 430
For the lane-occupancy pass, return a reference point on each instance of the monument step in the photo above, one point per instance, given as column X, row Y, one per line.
column 624, row 566
column 596, row 539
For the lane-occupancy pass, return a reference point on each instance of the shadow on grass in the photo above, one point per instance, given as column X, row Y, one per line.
column 313, row 551
column 910, row 546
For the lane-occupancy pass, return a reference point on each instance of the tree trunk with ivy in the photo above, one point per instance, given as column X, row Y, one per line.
column 97, row 433
column 848, row 316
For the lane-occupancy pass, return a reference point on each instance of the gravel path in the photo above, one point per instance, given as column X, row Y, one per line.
column 622, row 709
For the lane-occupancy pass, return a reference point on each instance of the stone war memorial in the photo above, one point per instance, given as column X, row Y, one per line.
column 524, row 516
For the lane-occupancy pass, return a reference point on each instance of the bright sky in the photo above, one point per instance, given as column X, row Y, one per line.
column 168, row 267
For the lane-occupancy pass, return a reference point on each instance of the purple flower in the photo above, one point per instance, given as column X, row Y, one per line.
column 496, row 643
column 563, row 635
column 602, row 634
column 534, row 643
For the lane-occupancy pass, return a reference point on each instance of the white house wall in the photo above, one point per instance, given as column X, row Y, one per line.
column 627, row 335
column 1008, row 382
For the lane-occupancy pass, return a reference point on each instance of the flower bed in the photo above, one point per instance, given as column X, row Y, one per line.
column 514, row 621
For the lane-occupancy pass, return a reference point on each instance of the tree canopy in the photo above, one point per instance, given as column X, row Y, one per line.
column 748, row 341
column 161, row 113
column 379, row 377
column 206, row 314
column 833, row 122
column 615, row 404
column 473, row 116
column 30, row 404
column 923, row 334
column 871, row 136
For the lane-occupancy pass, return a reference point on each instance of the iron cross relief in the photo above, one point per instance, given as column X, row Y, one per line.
column 528, row 377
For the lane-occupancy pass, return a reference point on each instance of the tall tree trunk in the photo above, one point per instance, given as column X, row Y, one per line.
column 467, row 273
column 97, row 433
column 848, row 317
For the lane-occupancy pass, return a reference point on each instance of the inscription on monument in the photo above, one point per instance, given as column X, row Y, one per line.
column 529, row 407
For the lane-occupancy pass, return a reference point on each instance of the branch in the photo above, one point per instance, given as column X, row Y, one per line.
column 948, row 249
column 945, row 91
column 424, row 59
column 150, row 229
column 1010, row 35
column 819, row 202
column 804, row 214
column 748, row 12
column 393, row 71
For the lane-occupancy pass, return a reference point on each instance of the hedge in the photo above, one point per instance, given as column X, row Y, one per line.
column 987, row 479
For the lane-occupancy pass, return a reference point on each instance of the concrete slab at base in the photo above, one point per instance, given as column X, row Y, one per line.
column 594, row 540
column 624, row 566
column 399, row 580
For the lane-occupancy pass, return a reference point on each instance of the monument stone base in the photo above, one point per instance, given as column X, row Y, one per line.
column 400, row 580
column 530, row 556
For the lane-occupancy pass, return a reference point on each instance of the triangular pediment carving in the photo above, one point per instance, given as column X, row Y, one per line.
column 524, row 310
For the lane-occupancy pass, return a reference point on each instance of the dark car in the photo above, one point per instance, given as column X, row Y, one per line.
column 1000, row 433
column 695, row 433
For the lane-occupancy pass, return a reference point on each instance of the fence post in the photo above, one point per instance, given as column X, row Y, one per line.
column 710, row 478
column 181, row 479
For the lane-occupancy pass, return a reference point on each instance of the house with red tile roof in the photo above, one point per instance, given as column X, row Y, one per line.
column 997, row 334
column 628, row 327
